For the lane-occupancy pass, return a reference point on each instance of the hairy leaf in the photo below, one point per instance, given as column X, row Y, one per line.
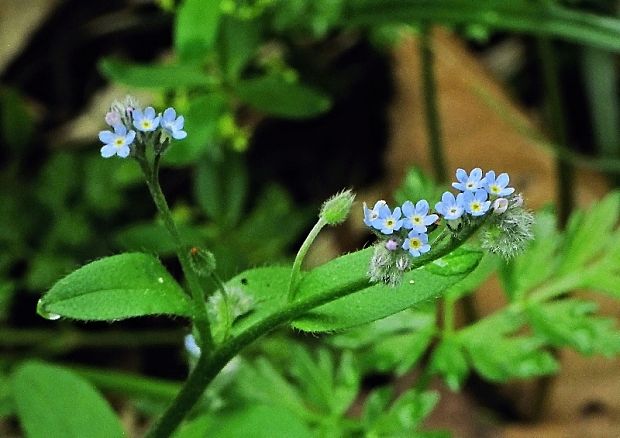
column 117, row 287
column 377, row 300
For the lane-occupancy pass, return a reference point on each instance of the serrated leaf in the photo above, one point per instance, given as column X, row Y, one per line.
column 588, row 233
column 377, row 300
column 275, row 96
column 155, row 76
column 571, row 323
column 117, row 287
column 500, row 359
column 538, row 262
column 196, row 27
column 54, row 402
column 406, row 414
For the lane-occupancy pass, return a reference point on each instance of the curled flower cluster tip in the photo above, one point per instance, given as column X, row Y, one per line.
column 403, row 233
column 130, row 124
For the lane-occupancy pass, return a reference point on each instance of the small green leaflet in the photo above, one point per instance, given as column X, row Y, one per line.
column 118, row 287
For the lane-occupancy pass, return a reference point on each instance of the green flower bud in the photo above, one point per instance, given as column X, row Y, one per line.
column 336, row 209
column 201, row 261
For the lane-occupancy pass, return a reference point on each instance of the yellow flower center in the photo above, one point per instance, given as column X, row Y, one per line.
column 119, row 142
column 415, row 243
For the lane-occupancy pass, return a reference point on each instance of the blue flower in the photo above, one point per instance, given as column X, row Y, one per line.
column 371, row 215
column 117, row 142
column 450, row 207
column 497, row 187
column 469, row 183
column 388, row 221
column 416, row 244
column 417, row 218
column 173, row 125
column 476, row 202
column 146, row 121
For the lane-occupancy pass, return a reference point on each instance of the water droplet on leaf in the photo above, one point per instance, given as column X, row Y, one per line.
column 45, row 314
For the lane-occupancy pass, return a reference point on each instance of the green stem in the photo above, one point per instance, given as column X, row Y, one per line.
column 431, row 111
column 448, row 317
column 208, row 367
column 299, row 258
column 555, row 109
column 201, row 317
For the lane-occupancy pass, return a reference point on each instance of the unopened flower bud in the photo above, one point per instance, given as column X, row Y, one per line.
column 500, row 205
column 518, row 200
column 201, row 261
column 112, row 118
column 336, row 209
column 391, row 245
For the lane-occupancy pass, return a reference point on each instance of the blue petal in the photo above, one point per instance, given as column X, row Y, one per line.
column 106, row 136
column 107, row 151
column 179, row 135
column 503, row 180
column 448, row 198
column 170, row 114
column 421, row 207
column 476, row 174
column 408, row 209
column 137, row 116
column 149, row 112
column 120, row 129
column 461, row 175
column 179, row 122
column 130, row 137
column 430, row 219
column 123, row 152
column 490, row 177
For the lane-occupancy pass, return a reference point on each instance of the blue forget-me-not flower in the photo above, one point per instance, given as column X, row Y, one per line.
column 416, row 243
column 371, row 215
column 471, row 182
column 388, row 221
column 117, row 142
column 417, row 217
column 449, row 207
column 145, row 121
column 476, row 202
column 172, row 124
column 497, row 187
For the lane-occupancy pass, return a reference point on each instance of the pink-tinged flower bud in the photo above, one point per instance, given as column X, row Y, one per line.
column 112, row 118
column 500, row 205
column 391, row 245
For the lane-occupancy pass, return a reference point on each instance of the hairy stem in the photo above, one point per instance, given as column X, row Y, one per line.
column 208, row 366
column 301, row 254
column 201, row 317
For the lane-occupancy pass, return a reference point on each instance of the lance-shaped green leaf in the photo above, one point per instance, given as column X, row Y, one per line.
column 154, row 75
column 118, row 287
column 54, row 402
column 275, row 96
column 377, row 301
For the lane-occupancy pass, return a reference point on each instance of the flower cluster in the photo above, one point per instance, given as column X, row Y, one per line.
column 404, row 232
column 150, row 128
